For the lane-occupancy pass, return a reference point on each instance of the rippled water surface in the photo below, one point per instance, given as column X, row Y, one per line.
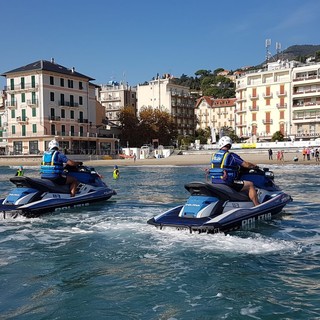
column 106, row 262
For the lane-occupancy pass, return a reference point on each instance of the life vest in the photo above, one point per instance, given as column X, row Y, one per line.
column 50, row 166
column 116, row 174
column 19, row 173
column 223, row 168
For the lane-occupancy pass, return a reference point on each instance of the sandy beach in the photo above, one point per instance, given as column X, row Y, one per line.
column 199, row 158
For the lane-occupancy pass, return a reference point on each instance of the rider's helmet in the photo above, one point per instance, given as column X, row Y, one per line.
column 115, row 167
column 53, row 144
column 224, row 141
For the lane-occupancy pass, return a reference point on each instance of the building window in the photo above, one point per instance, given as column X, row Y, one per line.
column 23, row 129
column 63, row 130
column 11, row 84
column 80, row 101
column 13, row 129
column 23, row 97
column 61, row 82
column 33, row 98
column 80, row 85
column 33, row 81
column 23, row 114
column 33, row 147
column 71, row 114
column 71, row 100
column 53, row 129
column 51, row 96
column 22, row 83
column 51, row 80
column 72, row 130
column 70, row 83
column 13, row 114
column 34, row 112
column 63, row 113
column 34, row 128
column 61, row 99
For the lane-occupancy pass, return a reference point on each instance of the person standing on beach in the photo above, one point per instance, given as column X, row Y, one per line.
column 316, row 152
column 225, row 167
column 270, row 154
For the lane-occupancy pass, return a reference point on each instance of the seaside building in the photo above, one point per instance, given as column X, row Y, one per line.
column 285, row 97
column 264, row 102
column 114, row 96
column 306, row 101
column 45, row 100
column 215, row 113
column 163, row 93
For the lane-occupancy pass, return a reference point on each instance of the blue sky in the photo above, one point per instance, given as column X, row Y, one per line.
column 132, row 41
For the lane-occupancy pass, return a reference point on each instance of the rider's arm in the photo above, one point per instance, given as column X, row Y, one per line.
column 73, row 163
column 248, row 165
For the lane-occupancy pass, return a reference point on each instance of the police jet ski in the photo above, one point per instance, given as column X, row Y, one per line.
column 34, row 196
column 215, row 208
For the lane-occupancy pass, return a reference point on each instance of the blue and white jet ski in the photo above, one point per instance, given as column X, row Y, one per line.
column 215, row 208
column 34, row 196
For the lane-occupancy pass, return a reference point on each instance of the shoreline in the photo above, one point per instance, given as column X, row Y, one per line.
column 259, row 158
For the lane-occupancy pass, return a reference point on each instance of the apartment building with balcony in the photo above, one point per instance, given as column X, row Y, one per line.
column 168, row 96
column 114, row 96
column 45, row 100
column 285, row 97
column 215, row 113
column 264, row 102
column 306, row 101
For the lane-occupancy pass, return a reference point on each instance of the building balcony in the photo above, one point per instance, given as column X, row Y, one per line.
column 256, row 108
column 54, row 118
column 304, row 79
column 33, row 103
column 282, row 94
column 267, row 95
column 255, row 97
column 241, row 124
column 306, row 119
column 22, row 120
column 21, row 88
column 270, row 121
column 83, row 121
column 281, row 105
column 68, row 104
column 11, row 104
column 241, row 110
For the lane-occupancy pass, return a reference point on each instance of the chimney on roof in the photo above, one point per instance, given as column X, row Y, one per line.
column 52, row 60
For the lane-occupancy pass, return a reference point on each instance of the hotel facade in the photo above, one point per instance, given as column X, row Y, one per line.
column 45, row 100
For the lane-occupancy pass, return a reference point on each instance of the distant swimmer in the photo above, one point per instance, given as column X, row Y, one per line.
column 116, row 172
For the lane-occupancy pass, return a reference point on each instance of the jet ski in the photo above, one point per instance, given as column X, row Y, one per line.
column 33, row 197
column 216, row 208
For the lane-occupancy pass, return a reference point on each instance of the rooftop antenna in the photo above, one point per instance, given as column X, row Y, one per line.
column 268, row 54
column 278, row 49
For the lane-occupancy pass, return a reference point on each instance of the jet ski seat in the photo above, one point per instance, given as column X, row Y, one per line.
column 220, row 191
column 43, row 185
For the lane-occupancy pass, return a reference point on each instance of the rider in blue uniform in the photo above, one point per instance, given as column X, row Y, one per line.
column 52, row 167
column 225, row 167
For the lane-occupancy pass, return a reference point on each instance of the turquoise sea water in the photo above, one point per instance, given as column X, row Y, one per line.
column 106, row 262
